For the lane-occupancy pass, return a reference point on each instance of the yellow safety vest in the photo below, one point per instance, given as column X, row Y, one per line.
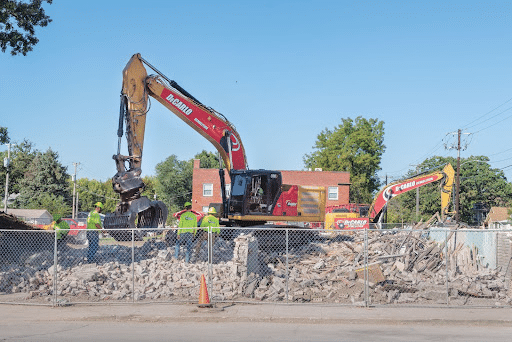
column 187, row 220
column 212, row 222
column 94, row 217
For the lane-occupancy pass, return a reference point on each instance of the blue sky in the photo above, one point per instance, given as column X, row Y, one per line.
column 280, row 71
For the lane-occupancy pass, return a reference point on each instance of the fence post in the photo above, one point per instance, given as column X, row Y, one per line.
column 366, row 280
column 287, row 270
column 133, row 265
column 210, row 260
column 55, row 263
column 446, row 264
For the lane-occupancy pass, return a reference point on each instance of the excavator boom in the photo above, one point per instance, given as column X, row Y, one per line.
column 398, row 188
column 213, row 126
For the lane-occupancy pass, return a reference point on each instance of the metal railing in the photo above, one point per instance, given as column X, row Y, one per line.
column 404, row 267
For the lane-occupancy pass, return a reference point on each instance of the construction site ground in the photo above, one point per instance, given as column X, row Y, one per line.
column 231, row 322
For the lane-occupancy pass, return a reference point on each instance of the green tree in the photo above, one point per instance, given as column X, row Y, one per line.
column 209, row 160
column 174, row 182
column 22, row 155
column 4, row 135
column 479, row 183
column 17, row 24
column 149, row 190
column 45, row 181
column 354, row 146
column 91, row 191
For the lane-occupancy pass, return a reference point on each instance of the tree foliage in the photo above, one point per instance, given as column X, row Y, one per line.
column 45, row 182
column 149, row 190
column 91, row 191
column 479, row 184
column 4, row 135
column 354, row 146
column 174, row 182
column 17, row 24
column 209, row 160
column 22, row 155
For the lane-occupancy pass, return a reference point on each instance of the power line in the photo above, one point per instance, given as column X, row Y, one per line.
column 499, row 161
column 509, row 149
column 417, row 161
column 494, row 124
column 468, row 125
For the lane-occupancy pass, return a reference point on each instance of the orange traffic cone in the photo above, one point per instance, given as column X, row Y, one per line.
column 204, row 300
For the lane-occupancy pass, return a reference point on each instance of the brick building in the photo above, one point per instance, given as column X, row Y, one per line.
column 206, row 185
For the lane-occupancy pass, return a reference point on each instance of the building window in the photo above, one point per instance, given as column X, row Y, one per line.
column 207, row 190
column 333, row 193
column 205, row 209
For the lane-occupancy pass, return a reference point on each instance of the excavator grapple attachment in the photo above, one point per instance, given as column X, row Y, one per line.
column 136, row 220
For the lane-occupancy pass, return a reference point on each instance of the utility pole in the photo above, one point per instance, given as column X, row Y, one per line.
column 457, row 187
column 457, row 178
column 7, row 162
column 75, row 206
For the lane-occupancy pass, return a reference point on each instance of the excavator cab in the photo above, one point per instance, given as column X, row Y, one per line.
column 254, row 192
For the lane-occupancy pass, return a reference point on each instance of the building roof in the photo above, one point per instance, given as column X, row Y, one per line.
column 497, row 214
column 29, row 213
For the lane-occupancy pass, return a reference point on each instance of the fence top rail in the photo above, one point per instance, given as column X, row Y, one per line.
column 47, row 231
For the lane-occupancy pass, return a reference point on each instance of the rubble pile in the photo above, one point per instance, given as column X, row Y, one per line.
column 8, row 221
column 401, row 267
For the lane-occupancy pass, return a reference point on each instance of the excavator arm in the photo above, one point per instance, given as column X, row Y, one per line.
column 398, row 188
column 138, row 86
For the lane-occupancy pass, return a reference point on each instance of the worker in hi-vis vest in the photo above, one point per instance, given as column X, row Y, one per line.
column 187, row 229
column 211, row 230
column 61, row 229
column 93, row 228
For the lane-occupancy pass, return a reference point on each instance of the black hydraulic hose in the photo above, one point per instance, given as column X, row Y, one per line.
column 183, row 91
column 172, row 83
column 122, row 110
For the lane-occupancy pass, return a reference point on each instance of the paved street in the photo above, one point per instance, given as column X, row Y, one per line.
column 251, row 323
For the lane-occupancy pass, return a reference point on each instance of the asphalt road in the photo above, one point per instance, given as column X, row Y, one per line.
column 246, row 331
column 172, row 322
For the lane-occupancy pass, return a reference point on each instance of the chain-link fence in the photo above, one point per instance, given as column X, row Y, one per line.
column 428, row 267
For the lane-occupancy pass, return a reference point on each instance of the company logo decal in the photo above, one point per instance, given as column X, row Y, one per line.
column 178, row 104
column 352, row 223
column 235, row 145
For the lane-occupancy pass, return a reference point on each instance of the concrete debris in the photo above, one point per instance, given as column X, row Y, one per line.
column 401, row 267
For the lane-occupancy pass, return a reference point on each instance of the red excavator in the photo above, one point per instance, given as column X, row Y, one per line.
column 360, row 217
column 256, row 196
